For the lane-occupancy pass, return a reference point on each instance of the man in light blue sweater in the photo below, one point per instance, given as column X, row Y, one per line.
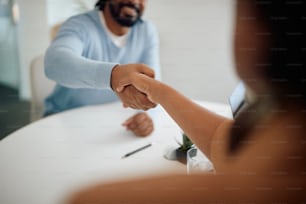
column 92, row 51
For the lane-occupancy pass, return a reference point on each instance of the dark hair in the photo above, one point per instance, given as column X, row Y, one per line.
column 101, row 4
column 287, row 23
column 286, row 72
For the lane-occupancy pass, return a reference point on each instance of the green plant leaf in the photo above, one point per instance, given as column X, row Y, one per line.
column 187, row 143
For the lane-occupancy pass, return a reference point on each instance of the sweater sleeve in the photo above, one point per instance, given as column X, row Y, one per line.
column 65, row 64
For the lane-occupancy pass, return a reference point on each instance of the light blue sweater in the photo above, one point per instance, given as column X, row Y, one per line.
column 81, row 58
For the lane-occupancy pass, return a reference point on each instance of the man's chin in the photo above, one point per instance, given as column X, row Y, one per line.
column 127, row 22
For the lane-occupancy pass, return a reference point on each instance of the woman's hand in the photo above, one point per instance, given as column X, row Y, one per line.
column 142, row 83
column 130, row 96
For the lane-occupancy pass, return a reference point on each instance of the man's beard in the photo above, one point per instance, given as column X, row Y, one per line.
column 126, row 21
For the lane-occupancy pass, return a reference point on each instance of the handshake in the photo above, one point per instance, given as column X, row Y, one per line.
column 132, row 83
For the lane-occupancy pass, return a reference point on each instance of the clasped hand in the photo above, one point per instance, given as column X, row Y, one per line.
column 130, row 96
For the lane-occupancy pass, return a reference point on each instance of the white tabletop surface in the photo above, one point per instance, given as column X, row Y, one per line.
column 46, row 160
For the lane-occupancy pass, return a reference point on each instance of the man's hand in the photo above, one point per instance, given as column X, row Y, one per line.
column 141, row 124
column 130, row 96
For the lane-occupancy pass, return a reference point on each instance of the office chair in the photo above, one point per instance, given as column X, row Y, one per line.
column 41, row 87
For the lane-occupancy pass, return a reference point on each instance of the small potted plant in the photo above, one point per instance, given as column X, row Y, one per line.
column 180, row 153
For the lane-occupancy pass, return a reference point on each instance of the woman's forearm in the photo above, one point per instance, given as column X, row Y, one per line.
column 202, row 126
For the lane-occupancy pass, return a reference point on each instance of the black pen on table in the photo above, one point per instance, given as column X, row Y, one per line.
column 137, row 150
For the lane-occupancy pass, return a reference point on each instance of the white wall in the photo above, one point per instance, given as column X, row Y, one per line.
column 60, row 10
column 196, row 46
column 196, row 42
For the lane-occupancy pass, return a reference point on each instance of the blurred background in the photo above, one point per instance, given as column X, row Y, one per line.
column 195, row 36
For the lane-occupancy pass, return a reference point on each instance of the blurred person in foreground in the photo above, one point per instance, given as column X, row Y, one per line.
column 94, row 50
column 260, row 156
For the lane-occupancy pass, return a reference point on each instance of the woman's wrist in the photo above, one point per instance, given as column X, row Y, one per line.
column 159, row 92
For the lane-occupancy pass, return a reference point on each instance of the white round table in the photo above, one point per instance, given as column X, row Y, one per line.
column 44, row 162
